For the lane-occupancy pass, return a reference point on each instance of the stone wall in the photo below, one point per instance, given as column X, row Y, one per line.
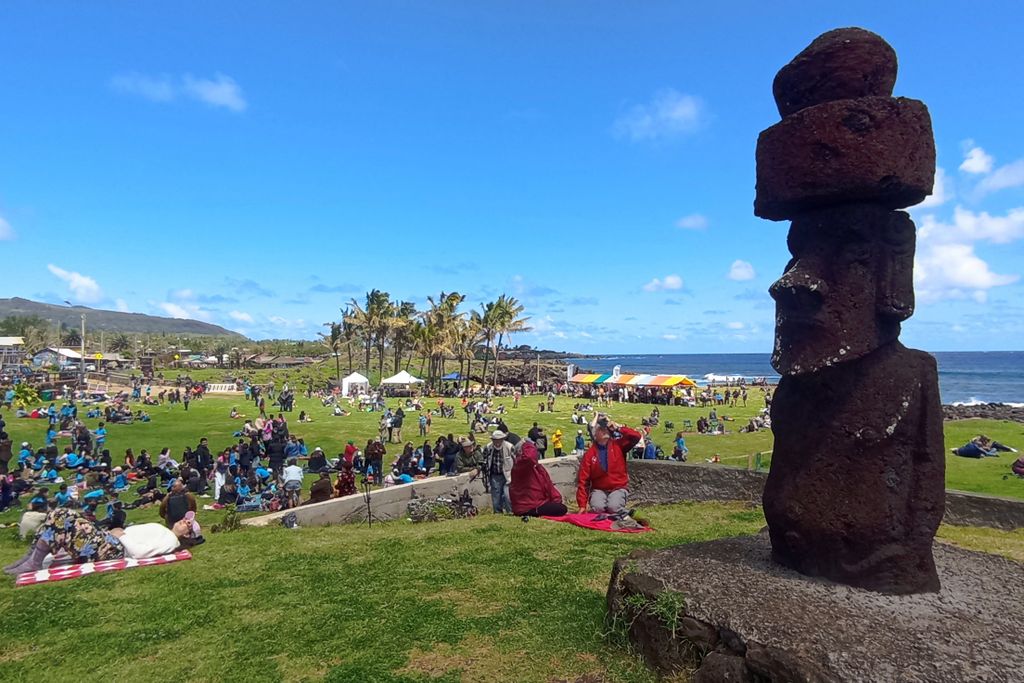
column 658, row 483
column 651, row 483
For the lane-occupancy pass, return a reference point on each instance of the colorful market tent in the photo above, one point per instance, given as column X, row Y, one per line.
column 634, row 380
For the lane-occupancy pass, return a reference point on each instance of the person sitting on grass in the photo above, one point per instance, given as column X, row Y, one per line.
column 532, row 492
column 603, row 480
column 71, row 532
column 346, row 483
column 321, row 489
column 235, row 415
column 32, row 518
column 177, row 504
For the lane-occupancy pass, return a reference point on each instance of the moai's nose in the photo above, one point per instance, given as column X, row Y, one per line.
column 799, row 290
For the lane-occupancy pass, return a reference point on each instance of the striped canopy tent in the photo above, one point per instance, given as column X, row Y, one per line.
column 603, row 378
column 641, row 380
column 621, row 379
column 584, row 378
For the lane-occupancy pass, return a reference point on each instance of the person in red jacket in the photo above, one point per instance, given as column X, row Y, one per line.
column 532, row 492
column 603, row 481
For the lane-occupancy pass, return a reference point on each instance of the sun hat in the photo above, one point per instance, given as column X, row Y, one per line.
column 497, row 434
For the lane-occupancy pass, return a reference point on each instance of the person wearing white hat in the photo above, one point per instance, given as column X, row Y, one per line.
column 499, row 456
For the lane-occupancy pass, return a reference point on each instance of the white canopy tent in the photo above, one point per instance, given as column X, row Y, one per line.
column 354, row 384
column 402, row 378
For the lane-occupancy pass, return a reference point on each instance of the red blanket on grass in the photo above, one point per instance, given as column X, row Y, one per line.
column 73, row 571
column 588, row 520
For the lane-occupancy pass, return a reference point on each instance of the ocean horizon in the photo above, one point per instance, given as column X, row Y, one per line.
column 965, row 377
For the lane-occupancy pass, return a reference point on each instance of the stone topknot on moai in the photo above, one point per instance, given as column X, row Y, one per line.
column 856, row 488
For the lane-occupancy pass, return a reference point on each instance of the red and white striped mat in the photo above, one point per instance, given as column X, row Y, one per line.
column 73, row 571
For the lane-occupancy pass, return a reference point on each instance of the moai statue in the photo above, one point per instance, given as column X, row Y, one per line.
column 856, row 488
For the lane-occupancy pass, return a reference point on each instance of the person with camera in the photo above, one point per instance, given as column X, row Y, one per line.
column 603, row 481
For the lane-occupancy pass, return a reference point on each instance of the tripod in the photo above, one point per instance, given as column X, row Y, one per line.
column 366, row 488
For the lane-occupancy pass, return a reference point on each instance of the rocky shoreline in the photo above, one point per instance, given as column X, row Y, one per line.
column 986, row 411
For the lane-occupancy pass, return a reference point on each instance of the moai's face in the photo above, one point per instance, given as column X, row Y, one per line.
column 825, row 301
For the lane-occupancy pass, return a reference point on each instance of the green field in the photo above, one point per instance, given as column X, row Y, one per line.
column 487, row 599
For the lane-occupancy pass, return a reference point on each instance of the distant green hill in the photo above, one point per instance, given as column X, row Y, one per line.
column 111, row 321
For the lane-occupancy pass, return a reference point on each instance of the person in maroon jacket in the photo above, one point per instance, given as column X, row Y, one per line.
column 602, row 485
column 532, row 492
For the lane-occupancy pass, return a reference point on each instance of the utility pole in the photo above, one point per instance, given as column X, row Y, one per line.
column 81, row 379
column 538, row 371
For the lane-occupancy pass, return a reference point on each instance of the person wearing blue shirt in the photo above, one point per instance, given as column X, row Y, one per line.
column 51, row 435
column 581, row 444
column 62, row 496
column 25, row 453
column 650, row 450
column 49, row 473
column 680, row 451
column 243, row 489
column 101, row 436
column 120, row 480
column 51, row 413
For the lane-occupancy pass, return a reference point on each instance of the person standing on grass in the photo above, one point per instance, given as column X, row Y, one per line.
column 498, row 461
column 603, row 481
column 556, row 442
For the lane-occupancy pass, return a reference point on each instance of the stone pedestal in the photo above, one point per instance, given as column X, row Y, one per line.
column 725, row 609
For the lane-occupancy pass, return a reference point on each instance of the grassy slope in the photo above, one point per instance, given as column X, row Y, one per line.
column 488, row 600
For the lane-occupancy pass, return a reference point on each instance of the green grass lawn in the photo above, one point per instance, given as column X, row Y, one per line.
column 489, row 599
column 176, row 429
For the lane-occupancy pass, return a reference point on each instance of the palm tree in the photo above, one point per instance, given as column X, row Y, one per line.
column 71, row 337
column 509, row 320
column 400, row 327
column 372, row 322
column 349, row 332
column 334, row 341
column 439, row 337
column 486, row 321
column 119, row 343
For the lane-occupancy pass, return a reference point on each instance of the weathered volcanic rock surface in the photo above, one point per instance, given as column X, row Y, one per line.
column 986, row 411
column 837, row 65
column 766, row 622
column 877, row 149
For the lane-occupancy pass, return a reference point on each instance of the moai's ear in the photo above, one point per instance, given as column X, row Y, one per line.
column 895, row 264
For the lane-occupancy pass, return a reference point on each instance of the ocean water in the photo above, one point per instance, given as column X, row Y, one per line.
column 964, row 376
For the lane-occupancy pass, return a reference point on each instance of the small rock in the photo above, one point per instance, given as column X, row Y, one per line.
column 721, row 668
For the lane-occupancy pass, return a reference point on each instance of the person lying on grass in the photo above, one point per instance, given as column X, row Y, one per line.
column 69, row 531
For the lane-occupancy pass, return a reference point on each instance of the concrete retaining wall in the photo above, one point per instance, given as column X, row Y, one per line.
column 392, row 502
column 651, row 483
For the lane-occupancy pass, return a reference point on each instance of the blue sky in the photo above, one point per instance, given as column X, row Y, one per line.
column 256, row 164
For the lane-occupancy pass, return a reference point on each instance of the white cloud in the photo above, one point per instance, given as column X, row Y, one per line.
column 741, row 271
column 670, row 337
column 183, row 294
column 968, row 226
column 174, row 310
column 240, row 316
column 121, row 305
column 82, row 287
column 560, row 334
column 694, row 221
column 6, row 231
column 153, row 88
column 1010, row 175
column 661, row 285
column 669, row 114
column 942, row 191
column 946, row 265
column 185, row 310
column 976, row 160
column 954, row 271
column 219, row 91
column 735, row 325
column 287, row 322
